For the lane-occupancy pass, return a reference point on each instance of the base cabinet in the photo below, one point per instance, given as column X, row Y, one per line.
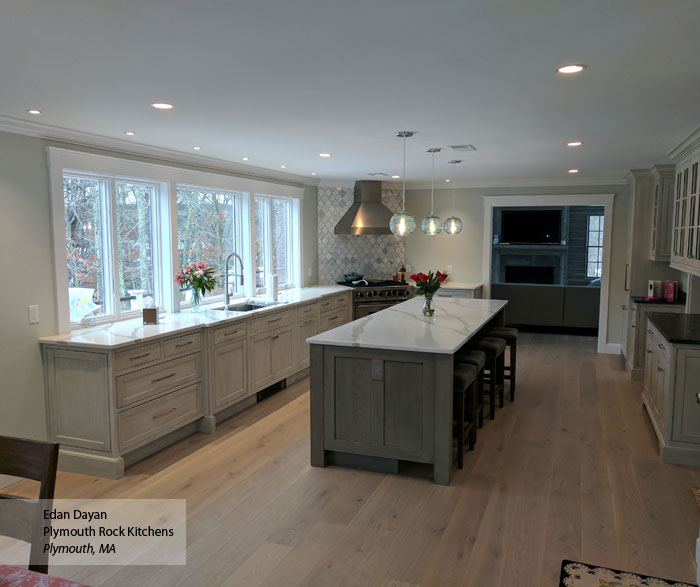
column 230, row 383
column 637, row 350
column 671, row 396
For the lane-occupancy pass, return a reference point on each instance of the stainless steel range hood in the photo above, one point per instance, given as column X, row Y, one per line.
column 367, row 215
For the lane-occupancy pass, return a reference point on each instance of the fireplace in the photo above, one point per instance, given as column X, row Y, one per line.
column 529, row 274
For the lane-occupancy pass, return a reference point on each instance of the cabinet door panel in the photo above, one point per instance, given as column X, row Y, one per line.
column 282, row 353
column 260, row 362
column 229, row 374
column 348, row 405
column 305, row 330
column 686, row 420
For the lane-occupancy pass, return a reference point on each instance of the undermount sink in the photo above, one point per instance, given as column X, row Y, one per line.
column 249, row 306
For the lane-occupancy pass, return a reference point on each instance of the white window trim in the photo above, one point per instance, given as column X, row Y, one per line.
column 78, row 162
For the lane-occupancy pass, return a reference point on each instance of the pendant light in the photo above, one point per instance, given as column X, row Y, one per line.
column 403, row 223
column 432, row 224
column 453, row 225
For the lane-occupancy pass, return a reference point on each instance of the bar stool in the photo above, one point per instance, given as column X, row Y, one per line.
column 464, row 408
column 495, row 349
column 510, row 335
column 478, row 359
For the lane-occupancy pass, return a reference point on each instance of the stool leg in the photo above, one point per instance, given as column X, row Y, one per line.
column 492, row 387
column 501, row 379
column 513, row 353
column 460, row 430
column 472, row 430
column 480, row 399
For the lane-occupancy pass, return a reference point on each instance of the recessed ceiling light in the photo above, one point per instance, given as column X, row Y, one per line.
column 574, row 144
column 129, row 133
column 573, row 170
column 34, row 111
column 283, row 166
column 324, row 155
column 573, row 68
column 244, row 158
column 395, row 176
column 196, row 148
column 313, row 173
column 162, row 106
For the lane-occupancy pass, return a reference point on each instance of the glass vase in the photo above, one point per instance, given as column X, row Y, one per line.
column 428, row 309
column 196, row 299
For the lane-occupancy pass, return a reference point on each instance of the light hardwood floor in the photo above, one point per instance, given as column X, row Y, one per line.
column 570, row 470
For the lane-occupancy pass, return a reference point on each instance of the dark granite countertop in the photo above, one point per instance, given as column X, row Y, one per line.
column 677, row 328
column 641, row 300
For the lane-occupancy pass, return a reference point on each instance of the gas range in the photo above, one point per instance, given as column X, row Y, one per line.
column 370, row 296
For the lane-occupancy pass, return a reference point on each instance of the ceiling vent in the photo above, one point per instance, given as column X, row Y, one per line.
column 378, row 174
column 463, row 148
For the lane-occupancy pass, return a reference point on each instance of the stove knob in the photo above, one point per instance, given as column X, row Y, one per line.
column 360, row 294
column 380, row 293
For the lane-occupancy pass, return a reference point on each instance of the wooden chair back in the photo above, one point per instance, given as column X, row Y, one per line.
column 36, row 460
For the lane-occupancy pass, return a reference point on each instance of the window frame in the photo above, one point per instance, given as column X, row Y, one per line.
column 600, row 232
column 165, row 236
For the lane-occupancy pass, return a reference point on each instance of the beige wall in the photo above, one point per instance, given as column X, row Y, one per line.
column 464, row 251
column 27, row 246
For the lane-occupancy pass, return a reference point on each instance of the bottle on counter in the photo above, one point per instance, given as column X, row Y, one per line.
column 402, row 273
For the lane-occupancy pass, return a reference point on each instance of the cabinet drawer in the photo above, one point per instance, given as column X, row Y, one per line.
column 231, row 332
column 308, row 311
column 333, row 303
column 182, row 344
column 140, row 424
column 151, row 381
column 268, row 321
column 333, row 320
column 137, row 356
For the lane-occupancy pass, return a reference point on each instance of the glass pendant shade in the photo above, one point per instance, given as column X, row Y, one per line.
column 431, row 225
column 402, row 223
column 453, row 225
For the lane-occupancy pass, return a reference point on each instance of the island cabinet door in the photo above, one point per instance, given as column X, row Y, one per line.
column 686, row 416
column 378, row 403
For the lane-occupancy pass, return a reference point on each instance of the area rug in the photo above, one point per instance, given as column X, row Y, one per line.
column 575, row 574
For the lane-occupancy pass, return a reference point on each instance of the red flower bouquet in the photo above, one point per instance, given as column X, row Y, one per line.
column 427, row 285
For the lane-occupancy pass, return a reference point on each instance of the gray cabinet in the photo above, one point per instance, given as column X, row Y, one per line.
column 671, row 395
column 637, row 334
column 662, row 213
column 685, row 253
column 379, row 403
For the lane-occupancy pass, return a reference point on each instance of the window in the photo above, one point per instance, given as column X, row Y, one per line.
column 594, row 250
column 109, row 246
column 276, row 235
column 209, row 226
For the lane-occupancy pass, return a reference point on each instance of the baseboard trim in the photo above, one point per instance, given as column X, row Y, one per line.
column 609, row 348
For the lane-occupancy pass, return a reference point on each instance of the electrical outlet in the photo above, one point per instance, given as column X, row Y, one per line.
column 33, row 314
column 449, row 269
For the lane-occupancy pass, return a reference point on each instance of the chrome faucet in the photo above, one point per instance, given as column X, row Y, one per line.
column 226, row 276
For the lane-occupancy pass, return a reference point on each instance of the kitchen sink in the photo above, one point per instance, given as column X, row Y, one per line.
column 249, row 306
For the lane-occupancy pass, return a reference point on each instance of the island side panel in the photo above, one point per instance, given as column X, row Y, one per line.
column 442, row 463
column 318, row 455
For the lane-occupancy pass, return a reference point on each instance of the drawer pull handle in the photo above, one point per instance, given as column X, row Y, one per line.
column 232, row 332
column 165, row 413
column 163, row 378
column 275, row 337
column 648, row 351
column 275, row 320
column 306, row 323
column 662, row 347
column 649, row 330
column 139, row 356
column 333, row 318
column 184, row 344
column 660, row 369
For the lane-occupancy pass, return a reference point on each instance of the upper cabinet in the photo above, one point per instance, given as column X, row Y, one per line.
column 685, row 251
column 661, row 213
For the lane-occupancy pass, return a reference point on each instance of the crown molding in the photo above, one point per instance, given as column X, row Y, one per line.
column 520, row 183
column 85, row 139
column 686, row 147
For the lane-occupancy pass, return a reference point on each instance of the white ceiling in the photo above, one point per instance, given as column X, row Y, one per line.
column 281, row 81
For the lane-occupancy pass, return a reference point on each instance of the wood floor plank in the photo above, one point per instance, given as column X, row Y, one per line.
column 569, row 470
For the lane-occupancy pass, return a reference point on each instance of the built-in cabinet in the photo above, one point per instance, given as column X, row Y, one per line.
column 637, row 333
column 661, row 212
column 685, row 254
column 110, row 407
column 671, row 396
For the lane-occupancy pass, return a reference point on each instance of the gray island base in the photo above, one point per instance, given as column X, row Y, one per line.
column 381, row 386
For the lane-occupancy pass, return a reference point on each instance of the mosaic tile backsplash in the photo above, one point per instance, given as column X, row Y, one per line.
column 376, row 256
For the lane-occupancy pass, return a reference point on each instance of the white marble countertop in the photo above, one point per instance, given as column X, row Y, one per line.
column 404, row 328
column 127, row 332
column 461, row 285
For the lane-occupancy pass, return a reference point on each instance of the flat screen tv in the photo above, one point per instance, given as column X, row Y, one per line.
column 531, row 227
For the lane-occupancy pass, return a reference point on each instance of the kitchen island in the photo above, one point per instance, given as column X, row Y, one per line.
column 381, row 386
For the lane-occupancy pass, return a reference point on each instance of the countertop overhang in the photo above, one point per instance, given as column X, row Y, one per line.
column 677, row 328
column 404, row 328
